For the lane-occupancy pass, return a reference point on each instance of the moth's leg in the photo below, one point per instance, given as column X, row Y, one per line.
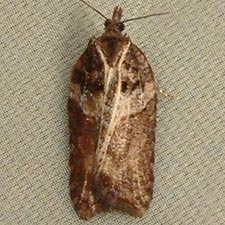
column 164, row 92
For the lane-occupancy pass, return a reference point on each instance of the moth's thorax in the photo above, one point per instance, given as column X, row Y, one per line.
column 112, row 44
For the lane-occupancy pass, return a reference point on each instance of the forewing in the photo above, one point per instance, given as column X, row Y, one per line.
column 84, row 106
column 125, row 169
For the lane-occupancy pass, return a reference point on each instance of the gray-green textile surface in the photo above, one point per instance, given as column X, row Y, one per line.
column 39, row 43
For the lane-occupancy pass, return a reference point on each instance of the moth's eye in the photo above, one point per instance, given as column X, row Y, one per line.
column 107, row 22
column 120, row 26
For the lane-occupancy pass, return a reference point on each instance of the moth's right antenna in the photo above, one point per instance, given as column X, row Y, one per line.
column 94, row 9
column 142, row 17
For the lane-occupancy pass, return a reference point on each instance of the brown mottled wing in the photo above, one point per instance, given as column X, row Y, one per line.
column 84, row 110
column 125, row 170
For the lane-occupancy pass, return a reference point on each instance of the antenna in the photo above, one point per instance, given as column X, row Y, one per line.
column 142, row 17
column 94, row 9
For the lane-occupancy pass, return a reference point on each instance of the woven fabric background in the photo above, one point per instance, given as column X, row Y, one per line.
column 39, row 43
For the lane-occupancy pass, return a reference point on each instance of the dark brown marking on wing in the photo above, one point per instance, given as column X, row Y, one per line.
column 86, row 82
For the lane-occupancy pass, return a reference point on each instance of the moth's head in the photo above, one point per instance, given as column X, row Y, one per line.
column 114, row 26
column 115, row 23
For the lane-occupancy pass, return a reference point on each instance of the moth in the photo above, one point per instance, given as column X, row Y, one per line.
column 112, row 121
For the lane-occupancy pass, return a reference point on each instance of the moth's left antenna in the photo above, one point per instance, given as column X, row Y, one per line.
column 94, row 9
